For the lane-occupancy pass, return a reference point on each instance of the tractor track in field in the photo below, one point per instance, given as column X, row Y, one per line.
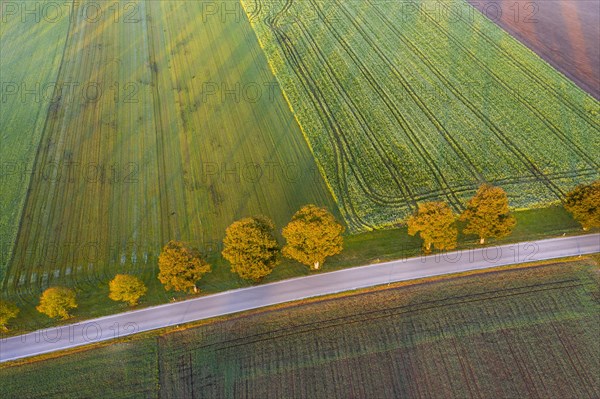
column 391, row 312
column 306, row 80
column 370, row 191
column 465, row 188
column 474, row 170
column 493, row 44
column 557, row 175
column 163, row 202
column 359, row 117
column 555, row 130
column 523, row 371
column 470, row 188
column 341, row 149
column 578, row 370
column 423, row 153
column 318, row 104
column 462, row 367
column 406, row 85
column 256, row 11
column 510, row 145
column 316, row 97
column 64, row 210
column 447, row 192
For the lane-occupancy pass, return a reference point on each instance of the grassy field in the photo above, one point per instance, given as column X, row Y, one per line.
column 523, row 332
column 410, row 102
column 176, row 129
column 25, row 102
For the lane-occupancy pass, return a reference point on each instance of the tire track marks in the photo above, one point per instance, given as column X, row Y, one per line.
column 510, row 145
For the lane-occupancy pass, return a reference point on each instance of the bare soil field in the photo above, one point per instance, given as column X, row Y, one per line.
column 563, row 32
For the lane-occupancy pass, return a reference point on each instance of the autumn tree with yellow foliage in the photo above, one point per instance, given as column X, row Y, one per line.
column 487, row 214
column 181, row 267
column 435, row 223
column 56, row 302
column 251, row 248
column 312, row 235
column 8, row 311
column 127, row 288
column 583, row 202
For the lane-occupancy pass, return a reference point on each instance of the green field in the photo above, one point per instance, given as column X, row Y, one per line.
column 152, row 121
column 25, row 100
column 181, row 129
column 410, row 101
column 514, row 333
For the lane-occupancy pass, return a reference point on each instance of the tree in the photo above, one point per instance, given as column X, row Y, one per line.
column 584, row 204
column 312, row 235
column 56, row 302
column 487, row 214
column 127, row 288
column 434, row 221
column 8, row 310
column 181, row 267
column 251, row 248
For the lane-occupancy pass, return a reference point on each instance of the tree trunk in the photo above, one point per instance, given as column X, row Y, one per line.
column 482, row 240
column 317, row 264
column 195, row 290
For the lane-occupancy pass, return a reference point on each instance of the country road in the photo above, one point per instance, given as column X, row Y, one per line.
column 105, row 328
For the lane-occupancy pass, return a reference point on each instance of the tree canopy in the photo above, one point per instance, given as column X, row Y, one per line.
column 127, row 288
column 584, row 204
column 56, row 302
column 8, row 311
column 435, row 223
column 312, row 235
column 251, row 248
column 487, row 214
column 181, row 267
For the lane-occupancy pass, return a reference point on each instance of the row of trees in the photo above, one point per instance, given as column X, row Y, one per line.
column 487, row 215
column 311, row 236
column 57, row 302
column 250, row 246
column 252, row 250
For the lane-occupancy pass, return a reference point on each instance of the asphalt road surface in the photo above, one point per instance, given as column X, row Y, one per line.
column 109, row 327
